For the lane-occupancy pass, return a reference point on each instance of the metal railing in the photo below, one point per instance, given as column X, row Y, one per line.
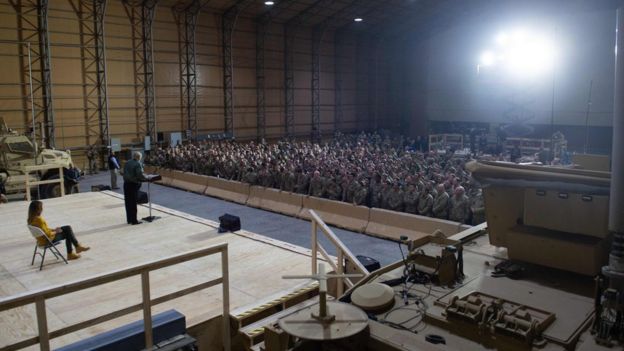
column 28, row 183
column 342, row 253
column 39, row 298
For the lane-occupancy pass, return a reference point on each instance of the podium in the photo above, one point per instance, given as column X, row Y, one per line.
column 150, row 179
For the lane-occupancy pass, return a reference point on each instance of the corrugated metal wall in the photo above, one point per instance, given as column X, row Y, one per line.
column 71, row 88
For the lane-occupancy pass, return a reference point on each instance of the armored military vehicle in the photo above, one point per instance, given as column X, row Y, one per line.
column 17, row 151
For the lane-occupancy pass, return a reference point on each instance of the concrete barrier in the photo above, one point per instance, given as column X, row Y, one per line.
column 275, row 200
column 227, row 189
column 339, row 214
column 256, row 194
column 392, row 225
column 167, row 174
column 190, row 181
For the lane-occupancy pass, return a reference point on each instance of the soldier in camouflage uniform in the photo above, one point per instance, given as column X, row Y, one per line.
column 92, row 155
column 383, row 194
column 477, row 207
column 395, row 198
column 410, row 199
column 425, row 203
column 250, row 177
column 333, row 189
column 303, row 182
column 375, row 191
column 460, row 206
column 317, row 186
column 441, row 203
column 289, row 181
column 359, row 198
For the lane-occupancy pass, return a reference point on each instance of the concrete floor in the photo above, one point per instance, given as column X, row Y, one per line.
column 273, row 225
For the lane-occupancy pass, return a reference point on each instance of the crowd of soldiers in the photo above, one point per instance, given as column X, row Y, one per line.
column 362, row 169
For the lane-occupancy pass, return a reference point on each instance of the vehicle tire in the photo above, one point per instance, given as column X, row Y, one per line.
column 52, row 190
column 71, row 189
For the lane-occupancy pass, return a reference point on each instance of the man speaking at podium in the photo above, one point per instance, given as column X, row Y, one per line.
column 133, row 176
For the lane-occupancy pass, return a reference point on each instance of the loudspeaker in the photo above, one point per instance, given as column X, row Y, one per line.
column 142, row 198
column 371, row 264
column 229, row 223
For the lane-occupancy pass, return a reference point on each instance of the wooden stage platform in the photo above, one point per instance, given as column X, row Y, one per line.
column 256, row 264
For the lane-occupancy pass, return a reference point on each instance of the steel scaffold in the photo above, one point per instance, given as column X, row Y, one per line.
column 261, row 30
column 338, row 43
column 141, row 16
column 228, row 23
column 32, row 24
column 186, row 18
column 92, row 53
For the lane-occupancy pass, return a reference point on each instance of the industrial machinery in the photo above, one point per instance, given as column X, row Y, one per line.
column 18, row 152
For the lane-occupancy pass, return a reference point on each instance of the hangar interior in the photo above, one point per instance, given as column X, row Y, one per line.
column 460, row 165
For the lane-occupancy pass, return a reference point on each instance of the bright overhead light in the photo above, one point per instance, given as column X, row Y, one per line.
column 358, row 19
column 521, row 53
column 487, row 59
column 269, row 3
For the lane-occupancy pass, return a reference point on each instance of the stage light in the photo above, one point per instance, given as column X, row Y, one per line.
column 502, row 39
column 269, row 3
column 358, row 19
column 520, row 54
column 487, row 59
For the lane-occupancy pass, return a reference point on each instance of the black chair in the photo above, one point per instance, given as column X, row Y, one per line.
column 37, row 233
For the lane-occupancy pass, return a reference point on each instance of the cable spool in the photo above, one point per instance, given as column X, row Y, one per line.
column 374, row 297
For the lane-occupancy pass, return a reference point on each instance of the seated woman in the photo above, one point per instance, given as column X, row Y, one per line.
column 56, row 234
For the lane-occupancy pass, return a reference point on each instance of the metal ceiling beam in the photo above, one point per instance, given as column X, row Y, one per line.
column 228, row 23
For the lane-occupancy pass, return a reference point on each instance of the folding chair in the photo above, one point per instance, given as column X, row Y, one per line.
column 36, row 233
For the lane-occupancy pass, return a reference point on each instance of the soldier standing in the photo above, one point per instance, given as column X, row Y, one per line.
column 289, row 182
column 441, row 203
column 395, row 198
column 92, row 155
column 425, row 203
column 359, row 198
column 460, row 206
column 316, row 185
column 477, row 207
column 303, row 181
column 410, row 199
column 333, row 189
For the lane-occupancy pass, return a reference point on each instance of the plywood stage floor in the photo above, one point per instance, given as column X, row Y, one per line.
column 98, row 219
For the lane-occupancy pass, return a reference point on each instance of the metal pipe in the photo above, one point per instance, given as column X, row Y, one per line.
column 616, row 199
column 32, row 102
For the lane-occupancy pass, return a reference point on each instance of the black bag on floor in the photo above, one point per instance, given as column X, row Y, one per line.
column 142, row 198
column 229, row 223
column 100, row 187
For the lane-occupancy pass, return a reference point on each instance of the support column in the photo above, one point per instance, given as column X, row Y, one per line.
column 373, row 81
column 141, row 17
column 228, row 23
column 186, row 18
column 261, row 31
column 32, row 24
column 317, row 38
column 616, row 199
column 91, row 17
column 289, row 80
column 338, row 44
